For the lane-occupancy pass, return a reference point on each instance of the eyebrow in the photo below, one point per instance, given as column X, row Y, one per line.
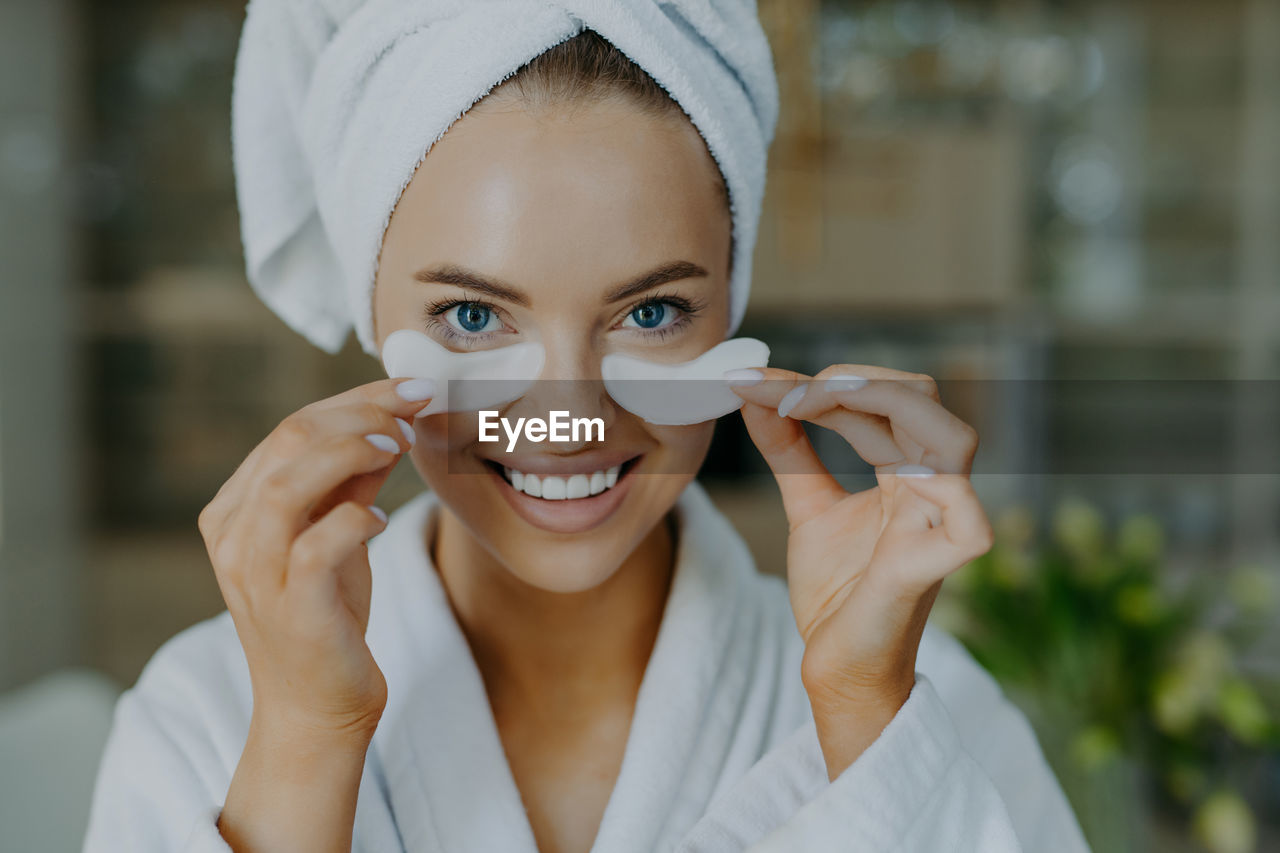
column 461, row 276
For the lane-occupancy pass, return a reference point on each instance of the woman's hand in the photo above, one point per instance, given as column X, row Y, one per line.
column 286, row 535
column 864, row 568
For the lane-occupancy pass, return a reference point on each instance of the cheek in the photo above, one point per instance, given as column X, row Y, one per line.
column 683, row 447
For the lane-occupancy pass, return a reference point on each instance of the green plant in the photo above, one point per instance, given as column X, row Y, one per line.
column 1131, row 675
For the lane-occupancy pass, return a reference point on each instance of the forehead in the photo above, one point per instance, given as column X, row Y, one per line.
column 593, row 193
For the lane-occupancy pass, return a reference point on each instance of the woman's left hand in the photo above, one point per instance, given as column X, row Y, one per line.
column 864, row 568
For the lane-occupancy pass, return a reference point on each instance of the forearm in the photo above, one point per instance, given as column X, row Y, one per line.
column 294, row 789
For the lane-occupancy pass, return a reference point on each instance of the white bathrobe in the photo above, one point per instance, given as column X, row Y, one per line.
column 722, row 754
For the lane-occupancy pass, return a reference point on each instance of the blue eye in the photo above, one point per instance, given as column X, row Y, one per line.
column 471, row 317
column 649, row 315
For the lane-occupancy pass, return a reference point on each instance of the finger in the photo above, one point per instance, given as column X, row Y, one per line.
column 306, row 428
column 398, row 395
column 362, row 488
column 766, row 386
column 965, row 525
column 893, row 582
column 369, row 419
column 870, row 434
column 302, row 428
column 289, row 494
column 924, row 430
column 212, row 519
column 963, row 534
column 248, row 564
column 318, row 557
column 807, row 487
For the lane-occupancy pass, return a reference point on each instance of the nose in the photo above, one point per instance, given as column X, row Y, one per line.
column 570, row 382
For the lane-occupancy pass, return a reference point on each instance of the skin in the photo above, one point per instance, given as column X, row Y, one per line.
column 564, row 207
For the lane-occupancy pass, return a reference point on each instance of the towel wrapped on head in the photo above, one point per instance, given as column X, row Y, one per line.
column 336, row 102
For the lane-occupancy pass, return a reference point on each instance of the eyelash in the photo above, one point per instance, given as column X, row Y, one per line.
column 433, row 310
column 687, row 308
column 431, row 317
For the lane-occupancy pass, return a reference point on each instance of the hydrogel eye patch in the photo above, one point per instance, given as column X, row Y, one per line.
column 681, row 394
column 665, row 394
column 502, row 374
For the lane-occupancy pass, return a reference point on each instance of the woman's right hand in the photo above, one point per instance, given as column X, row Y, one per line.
column 286, row 535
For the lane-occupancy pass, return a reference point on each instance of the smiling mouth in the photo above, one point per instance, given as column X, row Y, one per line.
column 566, row 488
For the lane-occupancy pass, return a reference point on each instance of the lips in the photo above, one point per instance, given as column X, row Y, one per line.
column 565, row 502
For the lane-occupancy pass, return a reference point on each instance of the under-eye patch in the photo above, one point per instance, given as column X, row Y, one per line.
column 680, row 394
column 665, row 394
column 498, row 375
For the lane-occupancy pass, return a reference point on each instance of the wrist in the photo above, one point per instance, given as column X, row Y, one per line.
column 849, row 718
column 296, row 785
column 305, row 735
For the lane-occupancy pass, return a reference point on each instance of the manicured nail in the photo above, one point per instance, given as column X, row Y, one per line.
column 789, row 402
column 383, row 442
column 914, row 471
column 416, row 389
column 743, row 376
column 845, row 382
column 379, row 512
column 409, row 435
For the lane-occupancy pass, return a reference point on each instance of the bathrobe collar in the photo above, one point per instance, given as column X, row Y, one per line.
column 450, row 785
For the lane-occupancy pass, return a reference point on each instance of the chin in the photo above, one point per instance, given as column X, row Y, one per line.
column 571, row 562
column 565, row 563
column 564, row 569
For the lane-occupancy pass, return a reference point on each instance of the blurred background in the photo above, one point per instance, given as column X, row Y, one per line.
column 1055, row 208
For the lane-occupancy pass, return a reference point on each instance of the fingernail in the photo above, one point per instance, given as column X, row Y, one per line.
column 743, row 376
column 383, row 442
column 416, row 389
column 914, row 471
column 409, row 435
column 845, row 382
column 379, row 512
column 789, row 402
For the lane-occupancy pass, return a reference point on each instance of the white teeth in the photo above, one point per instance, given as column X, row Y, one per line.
column 579, row 487
column 532, row 486
column 553, row 488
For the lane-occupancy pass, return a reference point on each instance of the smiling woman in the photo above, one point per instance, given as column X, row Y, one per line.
column 562, row 646
column 590, row 226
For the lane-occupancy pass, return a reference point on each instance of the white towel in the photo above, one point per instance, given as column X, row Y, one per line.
column 335, row 102
column 722, row 754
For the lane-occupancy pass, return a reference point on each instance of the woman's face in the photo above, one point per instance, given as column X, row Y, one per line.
column 595, row 230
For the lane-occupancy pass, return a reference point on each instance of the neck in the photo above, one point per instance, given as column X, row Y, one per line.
column 542, row 650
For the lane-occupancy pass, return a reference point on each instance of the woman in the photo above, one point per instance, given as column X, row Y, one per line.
column 503, row 671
